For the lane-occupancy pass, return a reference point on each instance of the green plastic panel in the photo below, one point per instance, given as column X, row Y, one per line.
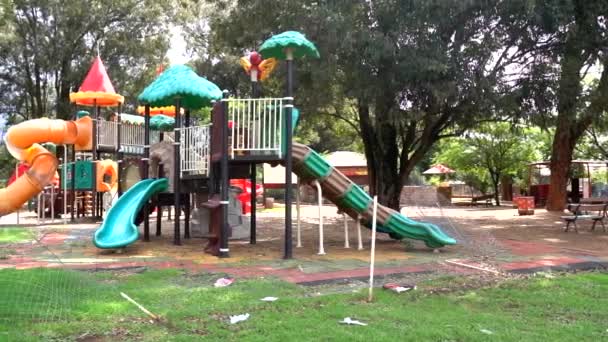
column 316, row 166
column 295, row 117
column 84, row 179
column 356, row 198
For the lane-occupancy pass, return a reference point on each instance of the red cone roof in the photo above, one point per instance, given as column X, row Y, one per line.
column 97, row 79
column 97, row 89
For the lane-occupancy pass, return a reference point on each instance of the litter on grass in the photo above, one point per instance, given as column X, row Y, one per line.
column 399, row 288
column 223, row 282
column 486, row 331
column 239, row 318
column 351, row 321
column 269, row 299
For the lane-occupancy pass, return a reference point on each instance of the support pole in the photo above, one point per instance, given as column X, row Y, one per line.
column 38, row 210
column 146, row 166
column 346, row 239
column 119, row 154
column 252, row 226
column 255, row 93
column 288, row 250
column 176, row 174
column 224, row 251
column 17, row 176
column 63, row 186
column 52, row 203
column 73, row 184
column 298, row 228
column 359, row 241
column 94, row 157
column 186, row 122
column 159, row 217
column 372, row 261
column 188, row 199
column 320, row 196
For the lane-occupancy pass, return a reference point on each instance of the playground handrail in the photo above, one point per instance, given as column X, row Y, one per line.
column 107, row 133
column 194, row 149
column 256, row 125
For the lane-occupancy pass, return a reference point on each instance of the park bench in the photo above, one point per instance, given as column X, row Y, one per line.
column 594, row 212
column 487, row 199
column 593, row 200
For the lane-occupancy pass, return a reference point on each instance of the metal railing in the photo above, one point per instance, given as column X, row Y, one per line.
column 132, row 138
column 107, row 133
column 256, row 126
column 194, row 150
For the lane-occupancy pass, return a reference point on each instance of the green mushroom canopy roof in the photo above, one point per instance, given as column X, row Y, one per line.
column 180, row 81
column 274, row 47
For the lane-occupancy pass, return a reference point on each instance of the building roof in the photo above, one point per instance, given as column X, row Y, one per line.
column 346, row 159
column 438, row 169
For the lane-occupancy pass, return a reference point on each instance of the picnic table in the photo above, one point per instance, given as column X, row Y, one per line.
column 582, row 211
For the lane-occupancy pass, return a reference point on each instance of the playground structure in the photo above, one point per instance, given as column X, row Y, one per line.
column 165, row 158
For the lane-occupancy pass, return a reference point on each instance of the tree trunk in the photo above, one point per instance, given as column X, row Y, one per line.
column 497, row 193
column 382, row 157
column 496, row 184
column 561, row 156
column 387, row 180
column 569, row 126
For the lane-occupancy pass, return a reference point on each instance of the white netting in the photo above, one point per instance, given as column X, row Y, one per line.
column 36, row 286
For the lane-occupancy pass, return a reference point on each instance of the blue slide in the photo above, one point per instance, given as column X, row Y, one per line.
column 118, row 229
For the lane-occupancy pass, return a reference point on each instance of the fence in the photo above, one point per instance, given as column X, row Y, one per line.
column 194, row 150
column 132, row 138
column 256, row 126
column 107, row 133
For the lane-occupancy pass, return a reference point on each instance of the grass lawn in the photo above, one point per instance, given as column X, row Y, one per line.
column 56, row 305
column 14, row 235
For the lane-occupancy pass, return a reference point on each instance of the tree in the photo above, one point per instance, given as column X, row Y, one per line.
column 48, row 45
column 489, row 152
column 566, row 42
column 412, row 72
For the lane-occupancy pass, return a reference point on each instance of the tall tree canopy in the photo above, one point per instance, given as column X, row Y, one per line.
column 566, row 43
column 46, row 47
column 404, row 73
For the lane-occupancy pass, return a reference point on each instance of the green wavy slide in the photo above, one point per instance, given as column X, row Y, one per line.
column 353, row 200
column 118, row 229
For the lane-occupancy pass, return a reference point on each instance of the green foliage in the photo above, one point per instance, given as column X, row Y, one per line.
column 489, row 152
column 47, row 47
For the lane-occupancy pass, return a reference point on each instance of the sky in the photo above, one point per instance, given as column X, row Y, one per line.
column 177, row 53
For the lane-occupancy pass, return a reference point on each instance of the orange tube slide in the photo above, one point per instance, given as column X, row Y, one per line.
column 22, row 142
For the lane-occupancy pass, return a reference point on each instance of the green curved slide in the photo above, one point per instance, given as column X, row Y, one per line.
column 118, row 229
column 354, row 201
